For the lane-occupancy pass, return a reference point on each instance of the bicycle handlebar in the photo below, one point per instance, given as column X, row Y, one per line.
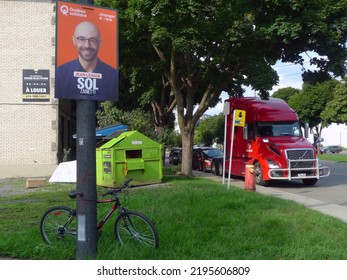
column 74, row 193
column 118, row 190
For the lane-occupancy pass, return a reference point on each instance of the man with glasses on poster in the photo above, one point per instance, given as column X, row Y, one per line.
column 86, row 77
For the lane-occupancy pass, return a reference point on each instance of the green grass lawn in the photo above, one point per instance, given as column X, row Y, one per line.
column 196, row 219
column 334, row 157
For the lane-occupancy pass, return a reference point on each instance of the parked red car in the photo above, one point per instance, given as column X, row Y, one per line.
column 202, row 158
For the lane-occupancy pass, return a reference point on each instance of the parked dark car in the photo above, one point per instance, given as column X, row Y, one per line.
column 202, row 158
column 175, row 156
column 331, row 149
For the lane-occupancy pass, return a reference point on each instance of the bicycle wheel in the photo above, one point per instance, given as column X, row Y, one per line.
column 134, row 227
column 58, row 223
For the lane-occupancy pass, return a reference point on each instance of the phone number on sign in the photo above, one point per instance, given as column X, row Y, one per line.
column 198, row 271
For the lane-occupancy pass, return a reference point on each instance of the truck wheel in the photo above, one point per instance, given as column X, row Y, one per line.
column 259, row 176
column 309, row 182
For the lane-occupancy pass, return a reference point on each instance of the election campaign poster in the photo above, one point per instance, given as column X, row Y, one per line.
column 86, row 52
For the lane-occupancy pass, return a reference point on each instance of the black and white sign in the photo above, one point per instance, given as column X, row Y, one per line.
column 36, row 85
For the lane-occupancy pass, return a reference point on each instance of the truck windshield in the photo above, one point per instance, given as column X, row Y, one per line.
column 265, row 129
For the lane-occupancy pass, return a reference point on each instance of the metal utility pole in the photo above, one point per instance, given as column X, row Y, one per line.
column 86, row 247
column 86, row 181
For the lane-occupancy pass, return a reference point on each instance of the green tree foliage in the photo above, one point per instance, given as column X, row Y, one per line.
column 285, row 93
column 210, row 130
column 313, row 77
column 190, row 51
column 136, row 119
column 336, row 108
column 311, row 101
column 171, row 138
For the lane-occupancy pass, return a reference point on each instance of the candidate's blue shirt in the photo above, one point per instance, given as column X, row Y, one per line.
column 73, row 82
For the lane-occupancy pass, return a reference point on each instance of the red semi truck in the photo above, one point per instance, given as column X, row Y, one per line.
column 271, row 140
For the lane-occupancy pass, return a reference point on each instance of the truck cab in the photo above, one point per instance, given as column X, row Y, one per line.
column 272, row 141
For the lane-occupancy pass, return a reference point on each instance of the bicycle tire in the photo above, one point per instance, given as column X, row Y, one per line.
column 58, row 223
column 135, row 227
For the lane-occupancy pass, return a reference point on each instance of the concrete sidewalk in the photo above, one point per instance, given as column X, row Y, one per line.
column 333, row 210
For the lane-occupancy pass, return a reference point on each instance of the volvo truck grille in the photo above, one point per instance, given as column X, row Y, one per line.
column 301, row 165
column 300, row 158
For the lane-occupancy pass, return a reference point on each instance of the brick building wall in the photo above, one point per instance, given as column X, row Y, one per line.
column 28, row 129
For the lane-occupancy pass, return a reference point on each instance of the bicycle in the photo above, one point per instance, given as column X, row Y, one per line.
column 59, row 223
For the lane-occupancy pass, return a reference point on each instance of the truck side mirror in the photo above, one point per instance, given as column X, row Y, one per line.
column 307, row 127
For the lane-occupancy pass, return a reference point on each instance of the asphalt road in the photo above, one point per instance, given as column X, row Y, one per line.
column 331, row 189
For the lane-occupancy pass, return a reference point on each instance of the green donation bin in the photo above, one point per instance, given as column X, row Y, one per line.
column 130, row 155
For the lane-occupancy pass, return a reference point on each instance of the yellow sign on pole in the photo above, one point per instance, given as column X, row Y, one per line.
column 239, row 117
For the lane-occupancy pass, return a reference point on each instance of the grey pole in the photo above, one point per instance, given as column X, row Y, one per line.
column 86, row 181
column 86, row 246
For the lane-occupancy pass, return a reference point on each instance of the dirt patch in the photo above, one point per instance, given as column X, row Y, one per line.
column 13, row 186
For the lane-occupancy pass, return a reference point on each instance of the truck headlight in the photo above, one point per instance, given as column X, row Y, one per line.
column 276, row 172
column 272, row 164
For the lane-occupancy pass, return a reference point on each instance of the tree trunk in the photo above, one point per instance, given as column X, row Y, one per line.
column 187, row 152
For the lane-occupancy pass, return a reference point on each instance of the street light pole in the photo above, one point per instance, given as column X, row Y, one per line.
column 86, row 246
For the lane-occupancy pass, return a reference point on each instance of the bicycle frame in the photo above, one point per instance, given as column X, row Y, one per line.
column 62, row 230
column 114, row 207
column 126, row 224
